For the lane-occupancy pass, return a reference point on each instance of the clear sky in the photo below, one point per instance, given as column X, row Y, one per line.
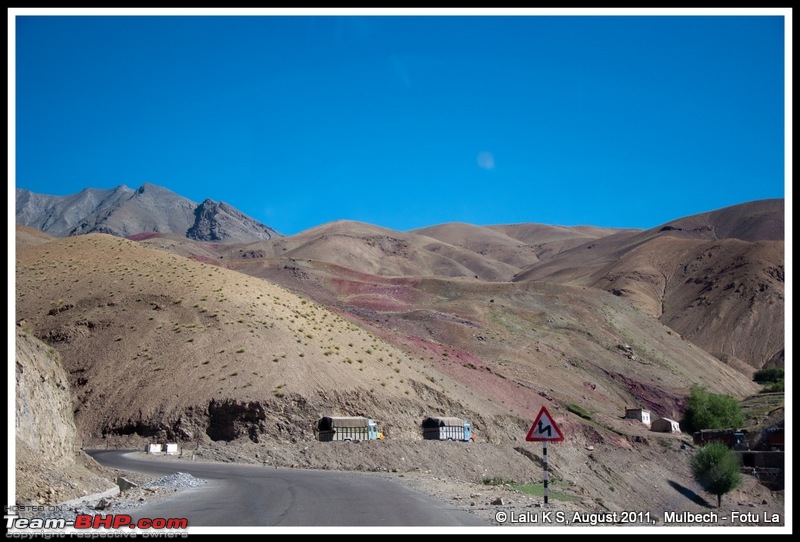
column 407, row 121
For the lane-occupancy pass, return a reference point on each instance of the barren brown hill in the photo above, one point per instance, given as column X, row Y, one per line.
column 27, row 236
column 379, row 251
column 505, row 338
column 518, row 245
column 533, row 233
column 485, row 241
column 550, row 240
column 447, row 250
column 249, row 344
column 157, row 343
column 173, row 243
column 753, row 221
column 501, row 329
column 717, row 292
column 761, row 220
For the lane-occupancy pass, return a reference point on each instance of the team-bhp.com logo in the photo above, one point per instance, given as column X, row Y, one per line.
column 17, row 527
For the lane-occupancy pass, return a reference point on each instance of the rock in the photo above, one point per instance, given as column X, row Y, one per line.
column 46, row 436
column 102, row 504
column 497, row 501
column 125, row 484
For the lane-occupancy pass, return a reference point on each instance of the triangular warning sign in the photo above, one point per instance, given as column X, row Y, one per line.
column 544, row 428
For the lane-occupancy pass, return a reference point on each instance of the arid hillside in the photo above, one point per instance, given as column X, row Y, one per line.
column 519, row 245
column 249, row 344
column 50, row 466
column 716, row 278
column 157, row 343
column 492, row 254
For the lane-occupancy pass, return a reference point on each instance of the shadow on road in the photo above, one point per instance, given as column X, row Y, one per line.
column 689, row 494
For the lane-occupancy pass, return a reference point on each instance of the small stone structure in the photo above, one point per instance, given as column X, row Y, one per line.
column 638, row 414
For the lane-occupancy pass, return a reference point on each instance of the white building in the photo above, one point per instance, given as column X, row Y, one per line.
column 638, row 414
column 666, row 425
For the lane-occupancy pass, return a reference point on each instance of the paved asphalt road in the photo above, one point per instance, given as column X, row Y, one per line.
column 252, row 495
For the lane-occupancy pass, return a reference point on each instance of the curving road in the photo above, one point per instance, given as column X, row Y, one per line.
column 252, row 495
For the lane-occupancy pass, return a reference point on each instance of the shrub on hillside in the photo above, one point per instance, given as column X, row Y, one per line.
column 711, row 411
column 773, row 387
column 580, row 411
column 768, row 375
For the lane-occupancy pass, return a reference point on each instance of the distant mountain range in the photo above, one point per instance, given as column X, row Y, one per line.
column 716, row 278
column 125, row 212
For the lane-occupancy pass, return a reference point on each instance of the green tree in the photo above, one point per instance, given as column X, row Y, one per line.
column 716, row 468
column 711, row 411
column 768, row 375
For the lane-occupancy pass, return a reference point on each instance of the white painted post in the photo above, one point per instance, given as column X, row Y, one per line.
column 544, row 462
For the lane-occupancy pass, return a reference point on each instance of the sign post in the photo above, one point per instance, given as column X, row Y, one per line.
column 544, row 429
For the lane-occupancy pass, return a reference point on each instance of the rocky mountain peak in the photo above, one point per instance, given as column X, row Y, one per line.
column 124, row 212
column 218, row 221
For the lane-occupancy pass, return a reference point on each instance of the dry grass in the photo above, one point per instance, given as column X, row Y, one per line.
column 153, row 334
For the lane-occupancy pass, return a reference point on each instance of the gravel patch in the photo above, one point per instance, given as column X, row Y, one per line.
column 144, row 492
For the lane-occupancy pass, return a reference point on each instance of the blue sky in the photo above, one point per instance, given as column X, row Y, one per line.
column 411, row 120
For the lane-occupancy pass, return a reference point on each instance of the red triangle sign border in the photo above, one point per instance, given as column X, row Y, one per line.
column 537, row 430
